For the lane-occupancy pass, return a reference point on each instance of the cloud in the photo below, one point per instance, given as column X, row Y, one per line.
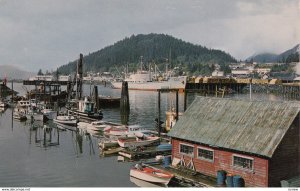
column 48, row 33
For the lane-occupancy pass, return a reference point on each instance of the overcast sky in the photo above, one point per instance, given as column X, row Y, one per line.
column 48, row 33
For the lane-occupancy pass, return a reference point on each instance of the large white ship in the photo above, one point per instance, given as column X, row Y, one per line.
column 171, row 83
column 142, row 80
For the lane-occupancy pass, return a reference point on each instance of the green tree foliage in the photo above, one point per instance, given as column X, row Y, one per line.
column 280, row 67
column 292, row 58
column 155, row 48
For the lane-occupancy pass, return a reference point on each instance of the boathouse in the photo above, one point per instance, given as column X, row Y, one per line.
column 258, row 140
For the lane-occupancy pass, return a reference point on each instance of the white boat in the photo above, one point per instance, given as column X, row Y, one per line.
column 129, row 131
column 49, row 113
column 142, row 183
column 150, row 174
column 116, row 130
column 97, row 125
column 19, row 115
column 137, row 142
column 66, row 120
column 3, row 104
column 23, row 103
column 142, row 80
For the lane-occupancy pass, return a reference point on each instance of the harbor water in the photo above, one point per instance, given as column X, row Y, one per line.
column 37, row 155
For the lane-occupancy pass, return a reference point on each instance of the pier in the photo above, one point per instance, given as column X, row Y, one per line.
column 224, row 86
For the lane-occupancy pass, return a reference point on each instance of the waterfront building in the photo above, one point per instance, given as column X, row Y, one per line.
column 258, row 140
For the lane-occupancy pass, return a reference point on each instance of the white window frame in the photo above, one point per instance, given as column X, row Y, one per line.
column 245, row 157
column 207, row 149
column 189, row 146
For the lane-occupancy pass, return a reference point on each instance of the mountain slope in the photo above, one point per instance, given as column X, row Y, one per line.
column 290, row 55
column 263, row 57
column 154, row 48
column 12, row 72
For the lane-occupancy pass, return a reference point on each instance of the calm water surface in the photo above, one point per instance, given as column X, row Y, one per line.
column 33, row 157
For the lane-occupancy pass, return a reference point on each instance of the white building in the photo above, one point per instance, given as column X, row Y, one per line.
column 217, row 73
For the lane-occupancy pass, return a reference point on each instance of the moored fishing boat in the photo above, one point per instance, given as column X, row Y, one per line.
column 150, row 174
column 85, row 109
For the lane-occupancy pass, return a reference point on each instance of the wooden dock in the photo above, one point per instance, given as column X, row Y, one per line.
column 187, row 177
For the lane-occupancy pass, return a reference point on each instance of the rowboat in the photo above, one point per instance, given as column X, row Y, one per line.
column 150, row 174
column 142, row 183
column 115, row 130
column 136, row 142
column 19, row 116
column 66, row 120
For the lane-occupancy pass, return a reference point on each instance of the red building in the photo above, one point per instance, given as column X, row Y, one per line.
column 258, row 140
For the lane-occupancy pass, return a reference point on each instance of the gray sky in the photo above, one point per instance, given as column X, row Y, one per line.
column 48, row 33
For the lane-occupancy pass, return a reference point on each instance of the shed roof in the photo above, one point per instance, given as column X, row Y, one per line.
column 249, row 126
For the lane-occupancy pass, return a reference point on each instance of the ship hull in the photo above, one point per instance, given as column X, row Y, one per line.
column 154, row 86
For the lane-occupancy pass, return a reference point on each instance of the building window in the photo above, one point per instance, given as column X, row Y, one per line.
column 206, row 154
column 243, row 162
column 187, row 149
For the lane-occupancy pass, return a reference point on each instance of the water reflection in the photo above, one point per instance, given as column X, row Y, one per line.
column 78, row 135
column 124, row 117
column 44, row 134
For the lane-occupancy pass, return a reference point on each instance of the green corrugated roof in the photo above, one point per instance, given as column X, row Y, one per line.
column 250, row 126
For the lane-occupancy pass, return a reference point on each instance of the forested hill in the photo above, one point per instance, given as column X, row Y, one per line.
column 154, row 48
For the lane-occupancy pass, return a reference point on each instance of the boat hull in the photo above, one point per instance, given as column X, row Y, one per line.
column 86, row 116
column 179, row 83
column 150, row 176
column 66, row 122
column 134, row 142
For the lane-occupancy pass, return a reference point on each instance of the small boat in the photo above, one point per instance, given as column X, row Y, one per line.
column 150, row 174
column 98, row 125
column 122, row 130
column 137, row 142
column 19, row 116
column 112, row 151
column 66, row 120
column 105, row 144
column 142, row 183
column 49, row 112
column 3, row 104
column 23, row 103
column 116, row 130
